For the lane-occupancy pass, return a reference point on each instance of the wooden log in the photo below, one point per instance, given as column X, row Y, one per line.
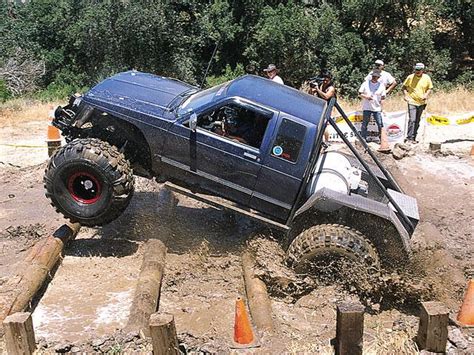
column 257, row 295
column 435, row 146
column 19, row 334
column 147, row 294
column 433, row 327
column 34, row 270
column 163, row 334
column 349, row 329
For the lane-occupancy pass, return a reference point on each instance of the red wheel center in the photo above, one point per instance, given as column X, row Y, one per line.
column 84, row 187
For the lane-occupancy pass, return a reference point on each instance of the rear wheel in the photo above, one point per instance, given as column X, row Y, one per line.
column 329, row 248
column 89, row 181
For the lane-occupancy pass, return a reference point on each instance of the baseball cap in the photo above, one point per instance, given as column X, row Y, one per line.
column 270, row 67
column 375, row 72
column 379, row 62
column 419, row 66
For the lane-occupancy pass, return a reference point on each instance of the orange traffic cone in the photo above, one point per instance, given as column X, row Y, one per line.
column 466, row 313
column 243, row 333
column 53, row 140
column 384, row 147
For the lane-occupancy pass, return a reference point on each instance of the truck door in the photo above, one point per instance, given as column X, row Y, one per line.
column 283, row 165
column 225, row 150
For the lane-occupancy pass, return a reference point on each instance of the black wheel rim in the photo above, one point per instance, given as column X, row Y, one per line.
column 84, row 187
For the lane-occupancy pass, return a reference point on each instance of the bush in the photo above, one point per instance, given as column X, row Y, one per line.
column 5, row 94
column 58, row 91
column 228, row 74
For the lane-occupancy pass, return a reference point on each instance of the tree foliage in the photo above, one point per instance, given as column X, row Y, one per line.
column 83, row 41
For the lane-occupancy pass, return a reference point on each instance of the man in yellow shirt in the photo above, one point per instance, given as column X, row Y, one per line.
column 416, row 88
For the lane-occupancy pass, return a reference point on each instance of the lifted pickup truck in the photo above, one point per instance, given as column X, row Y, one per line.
column 250, row 145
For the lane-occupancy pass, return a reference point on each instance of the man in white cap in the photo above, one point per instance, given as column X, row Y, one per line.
column 272, row 73
column 416, row 88
column 385, row 77
column 372, row 92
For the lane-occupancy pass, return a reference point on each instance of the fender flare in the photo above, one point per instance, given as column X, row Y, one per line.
column 358, row 210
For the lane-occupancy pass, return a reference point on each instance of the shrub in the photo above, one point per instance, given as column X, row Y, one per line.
column 227, row 74
column 5, row 94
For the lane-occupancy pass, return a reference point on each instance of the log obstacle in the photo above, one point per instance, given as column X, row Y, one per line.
column 19, row 334
column 147, row 294
column 163, row 334
column 41, row 260
column 257, row 295
column 433, row 327
column 349, row 329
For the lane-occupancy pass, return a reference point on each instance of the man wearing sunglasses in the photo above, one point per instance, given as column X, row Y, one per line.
column 416, row 88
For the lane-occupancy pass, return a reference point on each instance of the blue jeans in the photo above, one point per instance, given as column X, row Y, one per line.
column 366, row 118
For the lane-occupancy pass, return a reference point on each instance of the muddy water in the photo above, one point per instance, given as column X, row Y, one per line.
column 90, row 295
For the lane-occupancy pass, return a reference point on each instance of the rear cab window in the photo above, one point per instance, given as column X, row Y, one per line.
column 289, row 141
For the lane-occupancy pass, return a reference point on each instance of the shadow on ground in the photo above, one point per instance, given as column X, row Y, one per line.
column 181, row 223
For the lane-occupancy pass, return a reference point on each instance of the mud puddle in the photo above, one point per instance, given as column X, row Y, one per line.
column 91, row 293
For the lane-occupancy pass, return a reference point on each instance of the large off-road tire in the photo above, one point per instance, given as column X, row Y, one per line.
column 89, row 181
column 321, row 244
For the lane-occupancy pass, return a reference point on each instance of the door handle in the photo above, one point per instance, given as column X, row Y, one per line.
column 251, row 156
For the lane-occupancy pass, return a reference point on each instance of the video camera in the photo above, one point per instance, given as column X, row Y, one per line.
column 315, row 81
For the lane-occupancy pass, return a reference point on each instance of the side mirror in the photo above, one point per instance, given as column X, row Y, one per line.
column 193, row 122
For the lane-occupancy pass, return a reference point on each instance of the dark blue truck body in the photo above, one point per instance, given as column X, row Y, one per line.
column 250, row 176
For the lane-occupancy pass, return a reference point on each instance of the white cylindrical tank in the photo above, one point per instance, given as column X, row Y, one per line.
column 335, row 172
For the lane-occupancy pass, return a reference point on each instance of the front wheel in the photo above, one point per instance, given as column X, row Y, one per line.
column 89, row 181
column 330, row 247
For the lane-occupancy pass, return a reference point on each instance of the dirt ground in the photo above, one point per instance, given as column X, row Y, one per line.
column 87, row 302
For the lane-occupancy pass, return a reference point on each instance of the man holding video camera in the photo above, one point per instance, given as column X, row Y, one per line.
column 323, row 87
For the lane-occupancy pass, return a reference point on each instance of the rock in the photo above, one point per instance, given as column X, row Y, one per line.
column 401, row 150
column 140, row 341
column 129, row 337
column 62, row 348
column 42, row 343
column 98, row 342
column 375, row 307
column 399, row 325
column 456, row 337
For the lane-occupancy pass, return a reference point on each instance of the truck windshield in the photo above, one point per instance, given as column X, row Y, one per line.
column 199, row 99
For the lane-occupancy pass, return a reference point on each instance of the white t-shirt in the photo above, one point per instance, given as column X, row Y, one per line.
column 278, row 80
column 376, row 91
column 385, row 78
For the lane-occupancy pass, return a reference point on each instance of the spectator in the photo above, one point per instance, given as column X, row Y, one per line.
column 416, row 88
column 324, row 90
column 272, row 73
column 385, row 77
column 372, row 92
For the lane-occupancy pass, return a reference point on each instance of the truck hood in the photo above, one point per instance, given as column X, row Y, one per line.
column 139, row 93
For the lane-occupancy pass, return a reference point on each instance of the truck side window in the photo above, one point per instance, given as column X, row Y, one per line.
column 289, row 140
column 236, row 123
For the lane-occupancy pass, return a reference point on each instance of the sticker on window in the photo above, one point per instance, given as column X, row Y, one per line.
column 277, row 150
column 289, row 140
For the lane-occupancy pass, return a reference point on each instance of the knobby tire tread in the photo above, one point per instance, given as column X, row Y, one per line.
column 334, row 238
column 108, row 158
